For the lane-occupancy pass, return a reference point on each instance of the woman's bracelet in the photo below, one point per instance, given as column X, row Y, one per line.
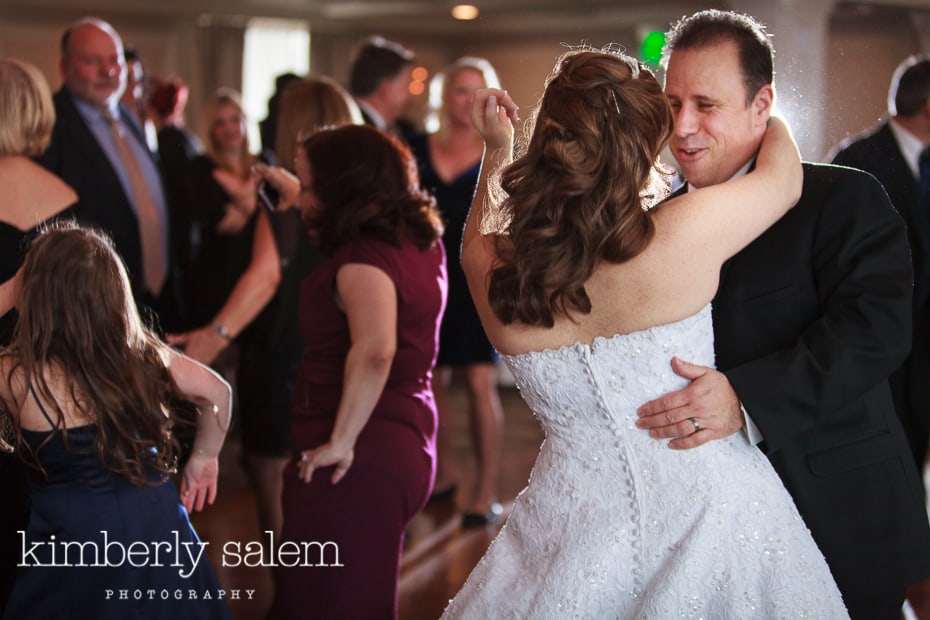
column 222, row 331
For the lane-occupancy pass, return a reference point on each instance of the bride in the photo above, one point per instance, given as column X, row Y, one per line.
column 587, row 293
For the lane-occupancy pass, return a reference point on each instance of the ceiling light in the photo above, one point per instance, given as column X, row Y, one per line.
column 465, row 12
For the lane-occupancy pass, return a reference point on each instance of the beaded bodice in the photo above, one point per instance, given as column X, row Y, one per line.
column 615, row 524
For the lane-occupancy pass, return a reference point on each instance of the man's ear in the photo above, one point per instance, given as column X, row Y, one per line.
column 384, row 87
column 762, row 104
column 925, row 109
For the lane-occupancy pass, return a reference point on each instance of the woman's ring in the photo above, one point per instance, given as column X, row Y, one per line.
column 697, row 426
column 304, row 458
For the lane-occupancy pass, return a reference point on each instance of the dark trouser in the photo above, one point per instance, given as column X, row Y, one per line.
column 875, row 605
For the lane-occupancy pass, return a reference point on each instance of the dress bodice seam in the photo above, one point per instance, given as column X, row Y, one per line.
column 600, row 342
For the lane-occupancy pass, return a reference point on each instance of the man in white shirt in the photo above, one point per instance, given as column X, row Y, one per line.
column 892, row 152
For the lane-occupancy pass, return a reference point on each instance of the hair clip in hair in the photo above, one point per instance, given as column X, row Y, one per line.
column 613, row 96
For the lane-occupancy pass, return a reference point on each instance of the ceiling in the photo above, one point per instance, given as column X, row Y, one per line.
column 424, row 16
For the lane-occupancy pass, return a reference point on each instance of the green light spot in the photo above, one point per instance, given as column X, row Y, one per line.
column 651, row 49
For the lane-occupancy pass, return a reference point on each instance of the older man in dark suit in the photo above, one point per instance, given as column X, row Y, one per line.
column 897, row 153
column 809, row 321
column 100, row 151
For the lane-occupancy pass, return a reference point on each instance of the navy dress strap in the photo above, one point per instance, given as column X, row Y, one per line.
column 41, row 408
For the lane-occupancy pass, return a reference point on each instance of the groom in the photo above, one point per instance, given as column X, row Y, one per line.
column 809, row 321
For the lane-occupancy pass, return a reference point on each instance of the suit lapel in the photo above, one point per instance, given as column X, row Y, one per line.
column 81, row 136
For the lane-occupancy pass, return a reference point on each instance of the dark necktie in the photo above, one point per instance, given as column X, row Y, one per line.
column 922, row 267
column 924, row 181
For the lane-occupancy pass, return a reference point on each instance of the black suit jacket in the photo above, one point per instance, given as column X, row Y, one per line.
column 809, row 320
column 877, row 152
column 402, row 129
column 75, row 156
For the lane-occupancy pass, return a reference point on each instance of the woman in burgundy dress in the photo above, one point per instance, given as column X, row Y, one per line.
column 364, row 424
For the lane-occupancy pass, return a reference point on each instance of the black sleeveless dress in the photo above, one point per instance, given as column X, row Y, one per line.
column 14, row 510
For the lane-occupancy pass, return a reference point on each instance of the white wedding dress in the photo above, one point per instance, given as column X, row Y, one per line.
column 615, row 524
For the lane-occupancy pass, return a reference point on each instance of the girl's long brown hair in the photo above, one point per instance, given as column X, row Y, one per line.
column 78, row 322
column 579, row 194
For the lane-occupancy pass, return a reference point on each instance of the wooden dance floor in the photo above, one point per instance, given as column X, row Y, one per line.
column 438, row 555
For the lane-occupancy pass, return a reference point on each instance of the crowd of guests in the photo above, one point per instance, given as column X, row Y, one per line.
column 315, row 276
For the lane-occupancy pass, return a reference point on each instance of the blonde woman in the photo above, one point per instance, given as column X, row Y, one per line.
column 449, row 159
column 261, row 311
column 222, row 207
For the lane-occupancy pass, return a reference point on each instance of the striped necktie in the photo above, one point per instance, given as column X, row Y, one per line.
column 150, row 224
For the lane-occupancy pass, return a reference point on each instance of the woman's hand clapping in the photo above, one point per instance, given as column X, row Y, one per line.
column 283, row 182
column 241, row 190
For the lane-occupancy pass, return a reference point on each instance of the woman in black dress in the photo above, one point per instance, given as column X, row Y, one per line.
column 31, row 196
column 449, row 160
column 261, row 311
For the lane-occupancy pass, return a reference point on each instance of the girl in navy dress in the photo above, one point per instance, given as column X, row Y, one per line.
column 89, row 390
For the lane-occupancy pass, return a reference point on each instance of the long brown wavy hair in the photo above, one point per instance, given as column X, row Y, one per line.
column 580, row 193
column 78, row 320
column 366, row 185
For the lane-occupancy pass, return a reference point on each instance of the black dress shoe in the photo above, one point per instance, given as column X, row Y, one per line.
column 481, row 519
column 443, row 495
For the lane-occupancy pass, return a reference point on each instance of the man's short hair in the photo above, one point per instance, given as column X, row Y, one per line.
column 377, row 60
column 712, row 27
column 910, row 86
column 87, row 21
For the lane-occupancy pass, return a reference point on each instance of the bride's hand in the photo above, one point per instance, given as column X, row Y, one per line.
column 493, row 114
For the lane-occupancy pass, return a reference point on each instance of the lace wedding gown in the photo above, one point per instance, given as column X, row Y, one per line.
column 614, row 524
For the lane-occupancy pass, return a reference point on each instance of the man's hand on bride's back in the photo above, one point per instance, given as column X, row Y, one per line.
column 493, row 114
column 706, row 409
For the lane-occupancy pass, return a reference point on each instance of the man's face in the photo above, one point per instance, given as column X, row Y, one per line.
column 397, row 92
column 716, row 131
column 93, row 68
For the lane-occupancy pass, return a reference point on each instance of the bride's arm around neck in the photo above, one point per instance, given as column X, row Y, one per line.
column 720, row 220
column 698, row 231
